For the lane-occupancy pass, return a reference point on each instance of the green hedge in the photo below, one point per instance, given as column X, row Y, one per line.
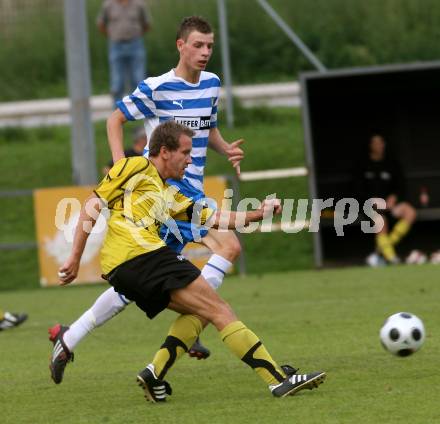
column 343, row 33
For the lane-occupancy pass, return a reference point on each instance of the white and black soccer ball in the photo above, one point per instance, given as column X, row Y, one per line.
column 402, row 334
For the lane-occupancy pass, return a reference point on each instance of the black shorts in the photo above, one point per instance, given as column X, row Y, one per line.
column 148, row 279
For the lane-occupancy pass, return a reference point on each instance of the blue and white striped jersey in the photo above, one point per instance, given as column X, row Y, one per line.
column 158, row 99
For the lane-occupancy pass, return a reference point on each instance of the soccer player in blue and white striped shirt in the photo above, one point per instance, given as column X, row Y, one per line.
column 189, row 95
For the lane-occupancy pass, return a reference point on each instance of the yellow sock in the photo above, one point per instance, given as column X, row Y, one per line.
column 246, row 345
column 181, row 336
column 400, row 230
column 385, row 246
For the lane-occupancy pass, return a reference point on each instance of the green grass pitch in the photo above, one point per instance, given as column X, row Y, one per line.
column 314, row 320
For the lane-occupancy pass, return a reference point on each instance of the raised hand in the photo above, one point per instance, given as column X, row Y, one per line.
column 235, row 154
column 271, row 206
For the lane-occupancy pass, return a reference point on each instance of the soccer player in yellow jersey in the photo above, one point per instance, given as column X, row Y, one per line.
column 139, row 265
column 187, row 94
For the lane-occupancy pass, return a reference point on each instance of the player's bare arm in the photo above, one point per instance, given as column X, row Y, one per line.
column 87, row 219
column 232, row 151
column 233, row 219
column 115, row 134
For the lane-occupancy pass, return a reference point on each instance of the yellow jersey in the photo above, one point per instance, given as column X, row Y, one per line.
column 139, row 202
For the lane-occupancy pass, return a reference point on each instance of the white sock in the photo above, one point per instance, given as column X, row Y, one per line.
column 109, row 304
column 215, row 269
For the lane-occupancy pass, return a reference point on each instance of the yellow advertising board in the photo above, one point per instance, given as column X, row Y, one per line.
column 56, row 214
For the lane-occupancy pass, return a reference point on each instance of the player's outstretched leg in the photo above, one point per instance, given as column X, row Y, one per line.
column 107, row 305
column 61, row 355
column 282, row 381
column 65, row 339
column 199, row 298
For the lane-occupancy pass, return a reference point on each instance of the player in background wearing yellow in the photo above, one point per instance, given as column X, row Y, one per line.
column 379, row 176
column 140, row 266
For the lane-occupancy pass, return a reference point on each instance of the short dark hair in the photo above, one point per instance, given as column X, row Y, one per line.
column 167, row 135
column 193, row 23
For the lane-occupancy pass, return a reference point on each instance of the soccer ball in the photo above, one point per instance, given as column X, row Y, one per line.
column 402, row 334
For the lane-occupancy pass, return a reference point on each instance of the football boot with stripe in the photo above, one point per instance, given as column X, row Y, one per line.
column 296, row 382
column 155, row 390
column 60, row 353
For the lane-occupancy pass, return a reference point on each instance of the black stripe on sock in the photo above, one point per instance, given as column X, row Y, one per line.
column 171, row 343
column 261, row 363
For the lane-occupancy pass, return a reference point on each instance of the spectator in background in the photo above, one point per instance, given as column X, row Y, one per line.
column 9, row 320
column 139, row 142
column 124, row 22
column 380, row 176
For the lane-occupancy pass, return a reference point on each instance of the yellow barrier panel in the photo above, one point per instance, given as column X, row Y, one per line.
column 55, row 233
